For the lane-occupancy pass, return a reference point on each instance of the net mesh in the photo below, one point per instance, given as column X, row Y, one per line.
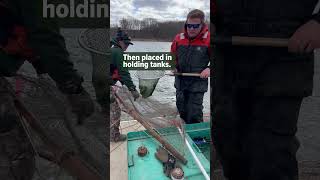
column 50, row 108
column 148, row 81
column 95, row 40
column 157, row 115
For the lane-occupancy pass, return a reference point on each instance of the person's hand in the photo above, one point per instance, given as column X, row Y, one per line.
column 205, row 73
column 82, row 105
column 135, row 94
column 306, row 38
column 173, row 71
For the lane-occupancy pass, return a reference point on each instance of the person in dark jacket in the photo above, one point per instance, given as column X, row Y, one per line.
column 258, row 90
column 191, row 50
column 24, row 35
column 119, row 44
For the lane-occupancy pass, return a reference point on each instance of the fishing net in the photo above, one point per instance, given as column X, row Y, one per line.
column 51, row 109
column 148, row 81
column 173, row 134
column 96, row 41
column 163, row 118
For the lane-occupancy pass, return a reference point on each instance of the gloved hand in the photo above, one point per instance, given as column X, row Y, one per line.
column 135, row 94
column 82, row 105
column 306, row 38
column 205, row 73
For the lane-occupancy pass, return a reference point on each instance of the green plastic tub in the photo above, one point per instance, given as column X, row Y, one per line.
column 150, row 168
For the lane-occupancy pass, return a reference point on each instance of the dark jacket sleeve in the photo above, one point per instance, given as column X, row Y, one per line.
column 316, row 17
column 125, row 77
column 47, row 42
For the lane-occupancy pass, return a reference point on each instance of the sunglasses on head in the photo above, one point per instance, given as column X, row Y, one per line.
column 194, row 26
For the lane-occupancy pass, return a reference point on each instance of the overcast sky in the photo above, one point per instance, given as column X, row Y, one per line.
column 162, row 10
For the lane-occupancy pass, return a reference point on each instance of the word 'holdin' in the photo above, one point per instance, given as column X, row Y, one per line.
column 146, row 57
column 87, row 9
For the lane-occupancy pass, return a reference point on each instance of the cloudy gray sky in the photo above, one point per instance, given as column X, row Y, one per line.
column 162, row 10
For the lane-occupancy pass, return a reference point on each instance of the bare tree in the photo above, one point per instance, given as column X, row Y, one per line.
column 124, row 24
column 149, row 28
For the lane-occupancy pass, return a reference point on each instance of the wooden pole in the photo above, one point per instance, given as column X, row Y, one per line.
column 259, row 41
column 185, row 74
column 251, row 41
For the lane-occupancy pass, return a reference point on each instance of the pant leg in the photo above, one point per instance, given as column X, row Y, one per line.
column 100, row 79
column 230, row 125
column 181, row 103
column 115, row 113
column 279, row 91
column 230, row 109
column 16, row 155
column 195, row 107
column 273, row 144
column 8, row 114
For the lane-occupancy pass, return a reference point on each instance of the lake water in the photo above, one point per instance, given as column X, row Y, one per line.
column 148, row 46
column 165, row 91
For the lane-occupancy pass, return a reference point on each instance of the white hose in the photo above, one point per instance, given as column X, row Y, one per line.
column 195, row 157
